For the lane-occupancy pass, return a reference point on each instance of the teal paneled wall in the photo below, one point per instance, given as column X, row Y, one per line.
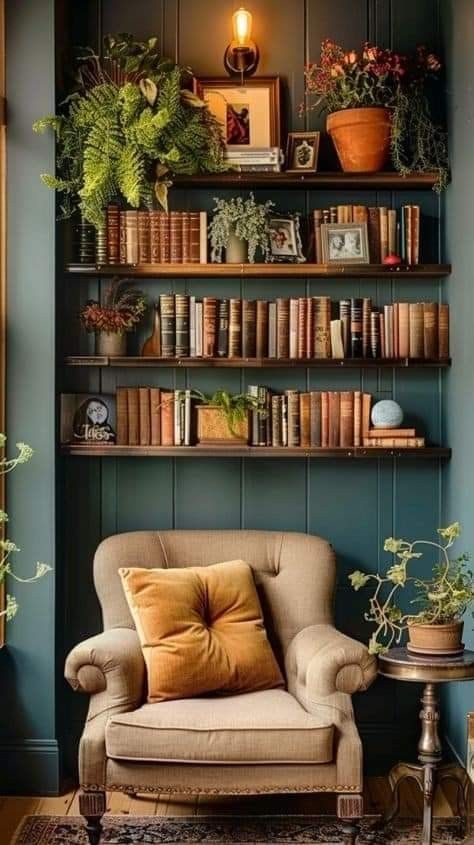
column 458, row 32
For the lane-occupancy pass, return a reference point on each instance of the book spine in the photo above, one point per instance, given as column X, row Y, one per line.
column 374, row 335
column 223, row 329
column 164, row 237
column 356, row 328
column 283, row 328
column 345, row 318
column 415, row 234
column 122, row 416
column 192, row 327
column 317, row 220
column 277, row 439
column 167, row 418
column 144, row 244
column 284, row 420
column 113, row 234
column 235, row 328
column 374, row 235
column 391, row 432
column 337, row 342
column 145, row 416
column 396, row 332
column 154, row 237
column 357, row 417
column 293, row 418
column 415, row 312
column 334, row 418
column 403, row 330
column 209, row 318
column 131, row 236
column 315, row 418
column 324, row 419
column 263, row 396
column 187, row 417
column 305, row 419
column 309, row 351
column 346, row 437
column 408, row 233
column 122, row 235
column 322, row 326
column 133, row 405
column 168, row 322
column 301, row 328
column 272, row 330
column 176, row 237
column 261, row 339
column 443, row 331
column 293, row 328
column 366, row 312
column 430, row 329
column 392, row 231
column 182, row 325
column 383, row 216
column 155, row 416
column 395, row 442
column 203, row 237
column 194, row 237
column 185, row 237
column 198, row 329
column 177, row 432
column 382, row 335
column 252, row 390
column 249, row 328
column 366, row 407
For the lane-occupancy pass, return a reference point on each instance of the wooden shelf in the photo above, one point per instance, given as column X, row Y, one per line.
column 254, row 363
column 250, row 452
column 330, row 181
column 317, row 271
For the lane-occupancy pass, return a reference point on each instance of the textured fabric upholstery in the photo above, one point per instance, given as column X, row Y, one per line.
column 201, row 630
column 258, row 727
column 295, row 575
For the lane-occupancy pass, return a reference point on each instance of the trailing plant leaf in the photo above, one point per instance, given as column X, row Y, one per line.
column 246, row 219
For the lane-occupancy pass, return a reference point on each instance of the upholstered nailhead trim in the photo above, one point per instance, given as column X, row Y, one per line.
column 187, row 790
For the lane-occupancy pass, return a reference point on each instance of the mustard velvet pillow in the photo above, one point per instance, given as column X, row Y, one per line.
column 201, row 630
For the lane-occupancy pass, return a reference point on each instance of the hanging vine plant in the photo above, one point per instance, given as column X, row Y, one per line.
column 131, row 125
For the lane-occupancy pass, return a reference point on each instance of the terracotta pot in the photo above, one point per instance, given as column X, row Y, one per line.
column 213, row 428
column 436, row 639
column 111, row 344
column 361, row 138
column 237, row 251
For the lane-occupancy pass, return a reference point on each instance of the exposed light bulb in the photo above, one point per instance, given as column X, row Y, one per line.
column 242, row 26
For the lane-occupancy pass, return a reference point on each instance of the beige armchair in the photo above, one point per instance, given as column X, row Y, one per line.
column 299, row 739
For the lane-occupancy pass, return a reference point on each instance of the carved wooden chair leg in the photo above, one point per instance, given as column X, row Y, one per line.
column 350, row 808
column 92, row 807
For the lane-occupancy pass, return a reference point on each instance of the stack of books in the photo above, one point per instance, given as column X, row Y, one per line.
column 390, row 231
column 156, row 237
column 150, row 416
column 300, row 328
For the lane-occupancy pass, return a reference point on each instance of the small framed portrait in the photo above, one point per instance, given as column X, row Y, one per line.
column 344, row 243
column 302, row 152
column 88, row 418
column 249, row 113
column 285, row 239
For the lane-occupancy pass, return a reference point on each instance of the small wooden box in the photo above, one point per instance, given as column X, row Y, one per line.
column 213, row 428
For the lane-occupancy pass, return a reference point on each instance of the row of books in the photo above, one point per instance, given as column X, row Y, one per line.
column 390, row 232
column 156, row 237
column 299, row 328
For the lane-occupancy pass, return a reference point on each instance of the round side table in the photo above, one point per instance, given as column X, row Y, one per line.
column 398, row 663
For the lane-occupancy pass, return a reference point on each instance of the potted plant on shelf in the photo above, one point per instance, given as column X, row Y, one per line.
column 7, row 547
column 122, row 310
column 436, row 628
column 378, row 103
column 223, row 418
column 155, row 128
column 240, row 227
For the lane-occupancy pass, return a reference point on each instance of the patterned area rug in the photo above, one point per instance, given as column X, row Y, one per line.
column 217, row 830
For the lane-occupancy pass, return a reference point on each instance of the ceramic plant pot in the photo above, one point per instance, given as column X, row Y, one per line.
column 237, row 251
column 361, row 138
column 111, row 344
column 436, row 639
column 213, row 428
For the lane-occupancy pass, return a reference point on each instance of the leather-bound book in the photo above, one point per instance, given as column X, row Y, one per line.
column 356, row 328
column 383, row 215
column 373, row 230
column 301, row 328
column 194, row 237
column 122, row 234
column 337, row 342
column 164, row 236
column 145, row 416
column 333, row 214
column 185, row 237
column 182, row 325
column 324, row 419
column 272, row 330
column 403, row 330
column 284, row 420
column 334, row 418
column 155, row 416
column 122, row 416
column 388, row 322
column 152, row 345
column 203, row 237
column 416, row 329
column 252, row 390
column 443, row 331
column 374, row 335
column 154, row 237
column 261, row 339
column 144, row 244
column 305, row 419
column 113, row 233
column 198, row 329
column 277, row 439
column 345, row 318
column 346, row 432
column 176, row 237
column 249, row 328
column 360, row 214
column 395, row 442
column 357, row 418
column 235, row 328
column 168, row 323
column 383, row 433
column 178, row 433
column 430, row 329
column 366, row 312
column 415, row 234
column 315, row 418
column 317, row 220
column 167, row 418
column 322, row 326
column 293, row 328
column 309, row 328
column 396, row 330
column 133, row 405
column 283, row 328
column 262, row 418
column 192, row 327
column 382, row 335
column 392, row 231
column 293, row 401
column 209, row 333
column 366, row 407
column 223, row 328
column 131, row 236
column 408, row 233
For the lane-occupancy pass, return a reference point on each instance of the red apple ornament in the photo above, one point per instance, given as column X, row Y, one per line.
column 392, row 259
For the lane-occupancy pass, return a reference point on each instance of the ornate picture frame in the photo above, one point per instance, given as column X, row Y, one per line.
column 345, row 243
column 302, row 150
column 285, row 239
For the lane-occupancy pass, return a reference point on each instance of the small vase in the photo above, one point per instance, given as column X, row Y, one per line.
column 361, row 138
column 435, row 639
column 111, row 344
column 236, row 251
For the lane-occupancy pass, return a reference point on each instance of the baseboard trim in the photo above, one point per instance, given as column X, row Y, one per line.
column 29, row 767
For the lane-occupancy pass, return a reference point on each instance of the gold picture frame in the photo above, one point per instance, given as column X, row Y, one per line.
column 345, row 243
column 249, row 113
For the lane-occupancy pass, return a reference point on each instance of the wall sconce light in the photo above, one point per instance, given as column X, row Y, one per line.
column 241, row 56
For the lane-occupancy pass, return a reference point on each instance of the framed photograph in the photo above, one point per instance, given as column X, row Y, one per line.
column 344, row 243
column 88, row 418
column 302, row 152
column 285, row 239
column 249, row 114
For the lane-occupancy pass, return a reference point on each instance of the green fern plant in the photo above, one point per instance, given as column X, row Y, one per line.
column 128, row 129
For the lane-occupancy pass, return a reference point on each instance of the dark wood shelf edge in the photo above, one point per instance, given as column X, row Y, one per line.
column 337, row 180
column 255, row 363
column 319, row 271
column 252, row 452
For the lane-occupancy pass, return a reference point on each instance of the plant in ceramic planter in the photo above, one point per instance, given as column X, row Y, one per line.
column 7, row 547
column 121, row 311
column 436, row 628
column 240, row 227
column 224, row 417
column 378, row 103
column 128, row 128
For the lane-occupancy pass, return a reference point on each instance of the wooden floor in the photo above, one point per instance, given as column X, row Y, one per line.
column 377, row 793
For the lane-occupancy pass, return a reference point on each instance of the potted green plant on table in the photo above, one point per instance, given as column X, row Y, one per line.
column 240, row 227
column 436, row 626
column 122, row 309
column 378, row 104
column 7, row 547
column 223, row 418
column 129, row 127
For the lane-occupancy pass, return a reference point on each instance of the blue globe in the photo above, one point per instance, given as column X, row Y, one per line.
column 386, row 414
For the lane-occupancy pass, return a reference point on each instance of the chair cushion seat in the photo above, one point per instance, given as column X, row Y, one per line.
column 259, row 727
